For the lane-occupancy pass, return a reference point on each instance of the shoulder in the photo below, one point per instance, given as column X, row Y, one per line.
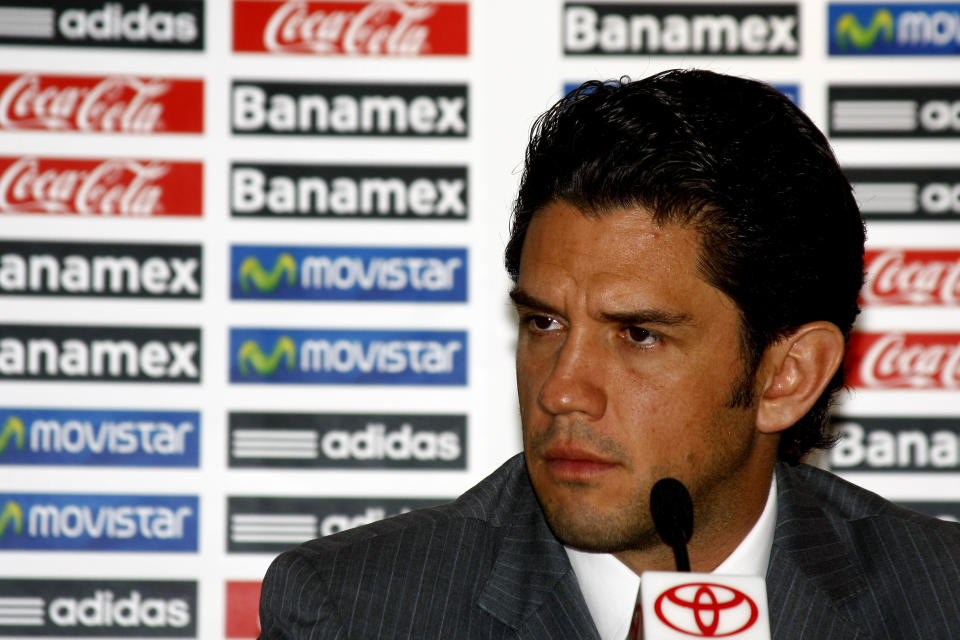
column 357, row 574
column 887, row 568
column 807, row 487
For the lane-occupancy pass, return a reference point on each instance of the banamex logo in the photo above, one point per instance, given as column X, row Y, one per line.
column 899, row 360
column 344, row 191
column 138, row 24
column 895, row 444
column 301, row 108
column 681, row 29
column 349, row 273
column 109, row 187
column 706, row 610
column 357, row 27
column 100, row 104
column 104, row 354
column 99, row 269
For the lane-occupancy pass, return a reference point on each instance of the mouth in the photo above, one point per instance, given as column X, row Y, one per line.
column 576, row 465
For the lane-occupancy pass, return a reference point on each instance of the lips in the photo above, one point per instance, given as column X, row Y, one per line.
column 572, row 464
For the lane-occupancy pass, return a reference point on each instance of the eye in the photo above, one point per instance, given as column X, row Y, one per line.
column 641, row 336
column 543, row 323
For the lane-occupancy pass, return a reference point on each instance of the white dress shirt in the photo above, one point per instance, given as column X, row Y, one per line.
column 610, row 587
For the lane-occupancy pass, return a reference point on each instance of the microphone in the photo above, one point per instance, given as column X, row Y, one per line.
column 672, row 511
column 678, row 604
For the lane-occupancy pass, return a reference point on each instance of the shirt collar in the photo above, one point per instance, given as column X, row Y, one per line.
column 610, row 588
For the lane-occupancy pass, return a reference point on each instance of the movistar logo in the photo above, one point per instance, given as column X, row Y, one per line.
column 11, row 513
column 266, row 282
column 13, row 429
column 850, row 33
column 250, row 355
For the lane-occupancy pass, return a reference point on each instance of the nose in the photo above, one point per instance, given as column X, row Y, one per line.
column 575, row 382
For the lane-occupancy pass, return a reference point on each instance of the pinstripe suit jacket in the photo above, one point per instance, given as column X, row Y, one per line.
column 845, row 564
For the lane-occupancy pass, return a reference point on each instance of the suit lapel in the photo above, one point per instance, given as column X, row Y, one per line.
column 810, row 578
column 532, row 587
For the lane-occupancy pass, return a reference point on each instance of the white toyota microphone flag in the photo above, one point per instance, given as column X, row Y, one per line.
column 679, row 605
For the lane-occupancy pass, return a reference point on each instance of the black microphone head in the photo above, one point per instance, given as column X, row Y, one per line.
column 672, row 511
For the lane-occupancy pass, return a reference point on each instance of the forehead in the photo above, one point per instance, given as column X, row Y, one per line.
column 616, row 245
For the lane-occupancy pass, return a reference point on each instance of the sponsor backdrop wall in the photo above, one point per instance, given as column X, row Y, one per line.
column 250, row 281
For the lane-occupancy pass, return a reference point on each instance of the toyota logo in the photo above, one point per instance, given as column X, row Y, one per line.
column 706, row 610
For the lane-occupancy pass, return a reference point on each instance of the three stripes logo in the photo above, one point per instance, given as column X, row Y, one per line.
column 347, row 441
column 76, row 608
column 907, row 194
column 159, row 24
column 21, row 611
column 884, row 111
column 273, row 524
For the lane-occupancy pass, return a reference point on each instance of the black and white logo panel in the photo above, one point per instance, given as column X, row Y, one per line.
column 322, row 109
column 272, row 524
column 98, row 608
column 348, row 441
column 135, row 24
column 100, row 353
column 907, row 194
column 883, row 111
column 363, row 192
column 896, row 444
column 40, row 268
column 669, row 28
column 949, row 511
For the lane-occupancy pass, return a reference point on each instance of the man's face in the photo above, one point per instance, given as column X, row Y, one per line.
column 626, row 365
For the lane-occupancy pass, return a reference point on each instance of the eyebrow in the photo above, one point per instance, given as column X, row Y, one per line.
column 661, row 317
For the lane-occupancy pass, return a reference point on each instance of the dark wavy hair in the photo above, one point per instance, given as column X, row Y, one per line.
column 780, row 231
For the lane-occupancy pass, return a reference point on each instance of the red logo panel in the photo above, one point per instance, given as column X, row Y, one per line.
column 243, row 602
column 912, row 277
column 904, row 361
column 100, row 104
column 101, row 187
column 371, row 27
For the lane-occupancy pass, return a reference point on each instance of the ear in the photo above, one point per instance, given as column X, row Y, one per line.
column 795, row 370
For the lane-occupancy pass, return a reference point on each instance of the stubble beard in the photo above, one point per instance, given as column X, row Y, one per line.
column 629, row 525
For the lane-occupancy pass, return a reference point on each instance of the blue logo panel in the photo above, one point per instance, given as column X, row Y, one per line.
column 333, row 356
column 80, row 522
column 894, row 29
column 348, row 273
column 99, row 437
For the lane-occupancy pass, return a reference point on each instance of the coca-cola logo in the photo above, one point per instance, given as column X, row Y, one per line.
column 706, row 610
column 904, row 361
column 110, row 104
column 377, row 27
column 901, row 277
column 109, row 187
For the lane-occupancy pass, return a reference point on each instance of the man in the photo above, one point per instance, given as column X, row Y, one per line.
column 687, row 257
